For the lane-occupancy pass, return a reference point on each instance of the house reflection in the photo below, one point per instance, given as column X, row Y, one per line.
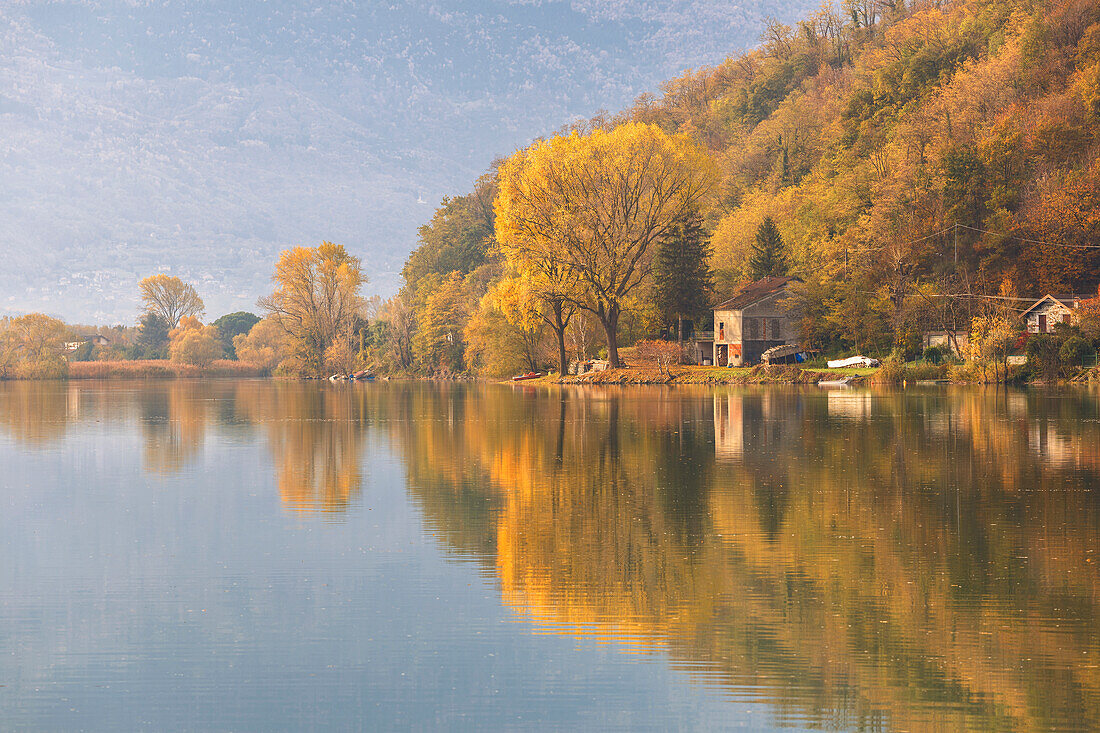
column 754, row 423
column 849, row 404
column 844, row 569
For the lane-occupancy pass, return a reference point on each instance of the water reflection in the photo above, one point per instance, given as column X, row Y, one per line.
column 315, row 437
column 857, row 559
column 173, row 418
column 900, row 559
column 36, row 413
column 315, row 433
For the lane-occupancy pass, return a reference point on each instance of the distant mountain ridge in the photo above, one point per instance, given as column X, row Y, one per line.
column 140, row 138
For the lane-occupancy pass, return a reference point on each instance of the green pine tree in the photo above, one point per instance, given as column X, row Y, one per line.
column 682, row 272
column 769, row 254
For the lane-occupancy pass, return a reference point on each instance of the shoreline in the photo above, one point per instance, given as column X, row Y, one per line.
column 779, row 374
column 630, row 375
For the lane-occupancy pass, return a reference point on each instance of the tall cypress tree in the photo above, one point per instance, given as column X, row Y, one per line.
column 682, row 272
column 769, row 254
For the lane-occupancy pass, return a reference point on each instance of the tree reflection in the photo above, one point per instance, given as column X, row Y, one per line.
column 173, row 417
column 37, row 413
column 910, row 559
column 315, row 435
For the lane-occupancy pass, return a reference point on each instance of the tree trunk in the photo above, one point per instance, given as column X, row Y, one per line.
column 563, row 358
column 609, row 318
column 558, row 324
column 680, row 338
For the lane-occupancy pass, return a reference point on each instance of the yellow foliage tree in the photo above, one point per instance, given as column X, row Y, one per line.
column 193, row 343
column 265, row 345
column 506, row 332
column 33, row 347
column 170, row 298
column 438, row 343
column 316, row 301
column 594, row 204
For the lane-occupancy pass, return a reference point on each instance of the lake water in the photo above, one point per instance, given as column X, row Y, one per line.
column 259, row 555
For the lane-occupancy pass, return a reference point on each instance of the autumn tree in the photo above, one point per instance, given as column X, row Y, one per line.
column 994, row 333
column 193, row 343
column 598, row 203
column 439, row 344
column 316, row 300
column 682, row 272
column 458, row 238
column 170, row 298
column 265, row 345
column 506, row 332
column 397, row 341
column 769, row 253
column 550, row 285
column 33, row 347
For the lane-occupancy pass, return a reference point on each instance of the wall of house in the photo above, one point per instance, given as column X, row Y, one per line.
column 765, row 324
column 944, row 340
column 727, row 331
column 1054, row 312
column 751, row 332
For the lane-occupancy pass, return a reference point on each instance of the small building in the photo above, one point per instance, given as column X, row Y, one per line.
column 954, row 342
column 754, row 320
column 1050, row 310
column 95, row 339
column 702, row 345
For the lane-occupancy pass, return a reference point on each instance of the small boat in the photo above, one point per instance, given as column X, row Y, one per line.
column 363, row 376
column 843, row 382
column 528, row 375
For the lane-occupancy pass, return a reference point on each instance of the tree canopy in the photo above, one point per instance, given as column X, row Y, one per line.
column 682, row 278
column 599, row 202
column 769, row 254
column 170, row 298
column 316, row 300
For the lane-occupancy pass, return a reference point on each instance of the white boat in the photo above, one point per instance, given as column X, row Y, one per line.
column 853, row 361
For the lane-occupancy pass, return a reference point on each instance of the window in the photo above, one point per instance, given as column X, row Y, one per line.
column 752, row 325
column 775, row 329
column 721, row 331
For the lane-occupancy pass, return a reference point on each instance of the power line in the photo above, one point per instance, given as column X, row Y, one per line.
column 955, row 227
column 1030, row 241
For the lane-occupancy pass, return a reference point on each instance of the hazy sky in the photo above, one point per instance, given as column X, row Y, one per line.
column 200, row 138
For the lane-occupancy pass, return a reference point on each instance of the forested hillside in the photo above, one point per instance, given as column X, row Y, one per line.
column 906, row 151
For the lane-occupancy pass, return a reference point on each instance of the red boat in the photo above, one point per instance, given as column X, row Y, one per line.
column 528, row 375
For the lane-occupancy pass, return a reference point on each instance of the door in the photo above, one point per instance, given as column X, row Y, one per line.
column 1042, row 323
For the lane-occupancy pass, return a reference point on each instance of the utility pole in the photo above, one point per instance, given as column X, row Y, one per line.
column 956, row 245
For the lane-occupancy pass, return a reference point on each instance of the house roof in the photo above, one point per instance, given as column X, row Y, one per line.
column 1066, row 300
column 755, row 291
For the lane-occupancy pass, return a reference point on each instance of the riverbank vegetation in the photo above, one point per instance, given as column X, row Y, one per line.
column 919, row 166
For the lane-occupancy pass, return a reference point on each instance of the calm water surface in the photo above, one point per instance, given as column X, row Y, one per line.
column 279, row 556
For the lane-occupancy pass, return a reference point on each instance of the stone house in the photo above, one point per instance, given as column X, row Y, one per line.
column 1050, row 310
column 755, row 319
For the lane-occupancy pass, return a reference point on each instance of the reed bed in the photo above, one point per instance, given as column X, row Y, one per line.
column 159, row 369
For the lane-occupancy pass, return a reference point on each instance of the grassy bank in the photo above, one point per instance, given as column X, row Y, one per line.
column 648, row 374
column 159, row 369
